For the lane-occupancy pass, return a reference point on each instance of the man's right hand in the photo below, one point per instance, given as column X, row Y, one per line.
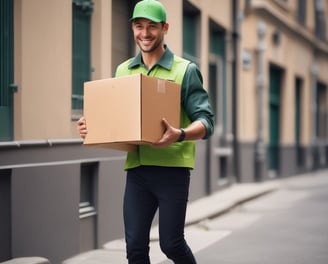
column 82, row 127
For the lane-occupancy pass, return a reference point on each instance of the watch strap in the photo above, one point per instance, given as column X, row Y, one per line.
column 182, row 136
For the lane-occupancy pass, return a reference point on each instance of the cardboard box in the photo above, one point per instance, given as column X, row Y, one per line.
column 126, row 111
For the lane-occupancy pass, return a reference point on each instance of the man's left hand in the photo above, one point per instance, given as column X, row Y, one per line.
column 170, row 135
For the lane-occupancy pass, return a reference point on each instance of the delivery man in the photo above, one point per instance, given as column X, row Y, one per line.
column 158, row 175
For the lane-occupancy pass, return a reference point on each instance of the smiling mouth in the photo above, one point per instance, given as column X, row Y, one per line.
column 146, row 41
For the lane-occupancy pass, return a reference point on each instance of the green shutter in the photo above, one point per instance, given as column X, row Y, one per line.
column 6, row 70
column 82, row 10
column 274, row 106
column 217, row 43
column 190, row 37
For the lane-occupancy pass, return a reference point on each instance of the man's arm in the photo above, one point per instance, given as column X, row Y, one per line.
column 195, row 100
column 196, row 130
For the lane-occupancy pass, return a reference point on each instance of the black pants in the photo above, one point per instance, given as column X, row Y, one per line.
column 148, row 188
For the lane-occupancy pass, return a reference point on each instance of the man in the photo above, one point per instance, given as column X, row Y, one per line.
column 158, row 176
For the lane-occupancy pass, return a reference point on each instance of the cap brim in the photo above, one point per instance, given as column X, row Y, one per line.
column 149, row 18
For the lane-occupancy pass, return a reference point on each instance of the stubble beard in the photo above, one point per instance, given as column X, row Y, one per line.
column 151, row 48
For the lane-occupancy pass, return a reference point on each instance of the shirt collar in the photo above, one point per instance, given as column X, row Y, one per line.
column 165, row 61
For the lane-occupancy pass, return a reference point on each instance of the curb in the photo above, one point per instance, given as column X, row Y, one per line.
column 225, row 200
column 221, row 202
column 27, row 260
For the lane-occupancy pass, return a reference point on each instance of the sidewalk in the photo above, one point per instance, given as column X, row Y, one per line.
column 218, row 203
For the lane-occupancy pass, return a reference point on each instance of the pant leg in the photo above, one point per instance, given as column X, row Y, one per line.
column 173, row 190
column 139, row 209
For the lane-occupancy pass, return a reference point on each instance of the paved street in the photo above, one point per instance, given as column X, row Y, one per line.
column 288, row 226
column 284, row 221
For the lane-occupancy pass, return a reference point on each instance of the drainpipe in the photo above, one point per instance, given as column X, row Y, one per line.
column 315, row 155
column 259, row 144
column 234, row 75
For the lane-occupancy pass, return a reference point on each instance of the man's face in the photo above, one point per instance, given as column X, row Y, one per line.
column 148, row 35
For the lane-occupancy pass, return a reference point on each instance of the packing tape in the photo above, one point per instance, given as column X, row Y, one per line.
column 161, row 86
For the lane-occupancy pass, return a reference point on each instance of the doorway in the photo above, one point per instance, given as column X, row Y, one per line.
column 274, row 115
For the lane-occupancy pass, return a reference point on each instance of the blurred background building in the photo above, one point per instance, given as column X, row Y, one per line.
column 265, row 66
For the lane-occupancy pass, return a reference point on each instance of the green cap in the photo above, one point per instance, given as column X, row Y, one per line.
column 149, row 9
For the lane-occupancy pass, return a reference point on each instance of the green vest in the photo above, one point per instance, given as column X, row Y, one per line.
column 179, row 154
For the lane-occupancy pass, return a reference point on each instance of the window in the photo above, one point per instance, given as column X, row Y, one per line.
column 81, row 50
column 87, row 209
column 320, row 23
column 190, row 32
column 88, row 189
column 301, row 14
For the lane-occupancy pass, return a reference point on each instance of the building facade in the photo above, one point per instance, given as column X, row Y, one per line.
column 264, row 64
column 283, row 92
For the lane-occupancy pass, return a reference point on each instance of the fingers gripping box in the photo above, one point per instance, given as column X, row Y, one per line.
column 126, row 111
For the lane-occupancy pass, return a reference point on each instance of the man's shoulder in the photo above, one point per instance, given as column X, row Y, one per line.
column 180, row 59
column 123, row 67
column 125, row 63
column 189, row 66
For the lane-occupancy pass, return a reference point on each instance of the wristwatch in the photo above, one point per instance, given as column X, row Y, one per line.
column 182, row 136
